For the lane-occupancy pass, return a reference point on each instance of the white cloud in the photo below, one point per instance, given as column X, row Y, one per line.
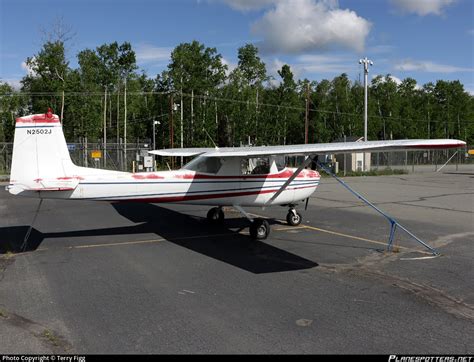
column 27, row 69
column 383, row 79
column 230, row 66
column 274, row 65
column 395, row 79
column 147, row 53
column 247, row 5
column 295, row 26
column 304, row 65
column 422, row 7
column 14, row 83
column 428, row 66
column 324, row 64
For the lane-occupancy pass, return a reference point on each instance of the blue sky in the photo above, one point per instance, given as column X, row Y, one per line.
column 424, row 39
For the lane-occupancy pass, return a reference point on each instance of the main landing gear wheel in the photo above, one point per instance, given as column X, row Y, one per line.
column 259, row 229
column 293, row 218
column 215, row 215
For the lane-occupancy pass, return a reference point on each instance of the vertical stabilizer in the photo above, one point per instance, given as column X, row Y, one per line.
column 40, row 153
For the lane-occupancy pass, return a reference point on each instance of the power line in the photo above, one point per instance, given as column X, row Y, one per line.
column 230, row 100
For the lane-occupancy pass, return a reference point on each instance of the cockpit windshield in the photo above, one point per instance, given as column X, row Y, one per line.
column 204, row 164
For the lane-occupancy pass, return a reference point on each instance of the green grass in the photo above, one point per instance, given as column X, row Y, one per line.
column 50, row 337
column 3, row 314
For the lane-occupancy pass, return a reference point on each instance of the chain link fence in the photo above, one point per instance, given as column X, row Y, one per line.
column 423, row 161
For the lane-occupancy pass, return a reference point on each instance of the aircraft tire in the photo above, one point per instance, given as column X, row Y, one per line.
column 293, row 219
column 259, row 229
column 215, row 215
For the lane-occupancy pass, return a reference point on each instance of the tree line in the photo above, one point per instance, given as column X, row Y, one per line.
column 198, row 101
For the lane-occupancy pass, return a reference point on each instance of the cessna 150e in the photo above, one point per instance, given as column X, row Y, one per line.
column 237, row 177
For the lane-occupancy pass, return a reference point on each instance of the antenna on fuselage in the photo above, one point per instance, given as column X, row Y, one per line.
column 208, row 135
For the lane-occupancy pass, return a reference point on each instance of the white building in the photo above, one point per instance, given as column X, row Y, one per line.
column 350, row 162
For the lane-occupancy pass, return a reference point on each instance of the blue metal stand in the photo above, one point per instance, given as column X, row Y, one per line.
column 393, row 223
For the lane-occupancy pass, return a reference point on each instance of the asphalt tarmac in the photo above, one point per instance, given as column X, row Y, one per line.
column 143, row 278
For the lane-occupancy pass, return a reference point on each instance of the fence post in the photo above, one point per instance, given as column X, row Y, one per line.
column 457, row 161
column 86, row 159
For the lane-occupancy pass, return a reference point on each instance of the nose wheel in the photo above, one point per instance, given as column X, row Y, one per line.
column 293, row 218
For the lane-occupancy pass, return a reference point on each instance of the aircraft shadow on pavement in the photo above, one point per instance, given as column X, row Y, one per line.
column 191, row 232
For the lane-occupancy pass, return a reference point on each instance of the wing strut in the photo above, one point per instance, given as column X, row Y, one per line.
column 393, row 223
column 305, row 163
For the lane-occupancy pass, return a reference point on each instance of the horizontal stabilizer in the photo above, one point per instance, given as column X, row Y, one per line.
column 58, row 185
column 45, row 185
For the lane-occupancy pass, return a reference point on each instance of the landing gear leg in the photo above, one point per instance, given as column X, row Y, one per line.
column 215, row 215
column 293, row 218
column 259, row 228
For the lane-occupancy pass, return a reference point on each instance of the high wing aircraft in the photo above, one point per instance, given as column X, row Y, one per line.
column 218, row 177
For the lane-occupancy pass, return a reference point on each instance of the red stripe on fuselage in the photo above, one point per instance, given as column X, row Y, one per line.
column 205, row 197
column 147, row 176
column 70, row 178
column 308, row 174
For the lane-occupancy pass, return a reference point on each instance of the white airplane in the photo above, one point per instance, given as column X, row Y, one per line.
column 237, row 177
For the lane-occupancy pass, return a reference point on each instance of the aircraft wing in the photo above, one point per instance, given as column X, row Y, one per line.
column 181, row 151
column 315, row 149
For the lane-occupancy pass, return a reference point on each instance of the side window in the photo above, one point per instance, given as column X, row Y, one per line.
column 280, row 162
column 204, row 165
column 255, row 166
column 212, row 165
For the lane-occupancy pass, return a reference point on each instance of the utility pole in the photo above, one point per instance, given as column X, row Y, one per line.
column 256, row 117
column 171, row 122
column 154, row 140
column 118, row 127
column 125, row 126
column 105, row 128
column 182, row 122
column 171, row 127
column 306, row 122
column 366, row 63
column 192, row 116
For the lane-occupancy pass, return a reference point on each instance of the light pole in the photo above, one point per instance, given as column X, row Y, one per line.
column 154, row 143
column 154, row 124
column 366, row 63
